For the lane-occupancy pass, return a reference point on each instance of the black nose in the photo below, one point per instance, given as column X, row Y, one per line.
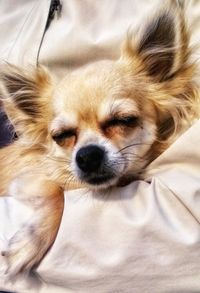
column 90, row 158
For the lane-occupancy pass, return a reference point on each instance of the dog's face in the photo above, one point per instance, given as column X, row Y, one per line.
column 103, row 123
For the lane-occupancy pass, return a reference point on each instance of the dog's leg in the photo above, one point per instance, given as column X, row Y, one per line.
column 28, row 246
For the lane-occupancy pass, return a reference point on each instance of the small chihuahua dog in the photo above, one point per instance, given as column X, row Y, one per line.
column 98, row 127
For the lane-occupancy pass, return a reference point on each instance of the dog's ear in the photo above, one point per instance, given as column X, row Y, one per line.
column 24, row 94
column 23, row 89
column 161, row 45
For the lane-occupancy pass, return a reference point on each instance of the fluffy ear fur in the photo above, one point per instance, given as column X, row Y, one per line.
column 161, row 44
column 25, row 97
column 159, row 55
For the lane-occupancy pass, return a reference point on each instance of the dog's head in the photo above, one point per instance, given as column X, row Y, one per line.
column 106, row 121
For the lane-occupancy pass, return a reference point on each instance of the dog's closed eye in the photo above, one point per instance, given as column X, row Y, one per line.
column 61, row 136
column 127, row 121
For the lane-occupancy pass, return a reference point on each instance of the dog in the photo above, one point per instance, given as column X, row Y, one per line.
column 99, row 127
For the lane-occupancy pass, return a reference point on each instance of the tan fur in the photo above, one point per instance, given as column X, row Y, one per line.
column 153, row 82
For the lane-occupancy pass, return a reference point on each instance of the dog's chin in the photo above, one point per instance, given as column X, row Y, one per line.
column 100, row 182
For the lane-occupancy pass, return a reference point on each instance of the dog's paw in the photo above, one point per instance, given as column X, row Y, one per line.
column 25, row 251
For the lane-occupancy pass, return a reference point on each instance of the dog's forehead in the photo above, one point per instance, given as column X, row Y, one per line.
column 92, row 85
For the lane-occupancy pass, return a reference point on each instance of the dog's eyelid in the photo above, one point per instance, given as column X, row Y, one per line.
column 63, row 134
column 122, row 120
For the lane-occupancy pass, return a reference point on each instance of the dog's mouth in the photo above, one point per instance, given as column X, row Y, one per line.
column 100, row 179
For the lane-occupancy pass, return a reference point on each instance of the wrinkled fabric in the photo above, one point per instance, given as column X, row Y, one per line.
column 22, row 26
column 144, row 237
